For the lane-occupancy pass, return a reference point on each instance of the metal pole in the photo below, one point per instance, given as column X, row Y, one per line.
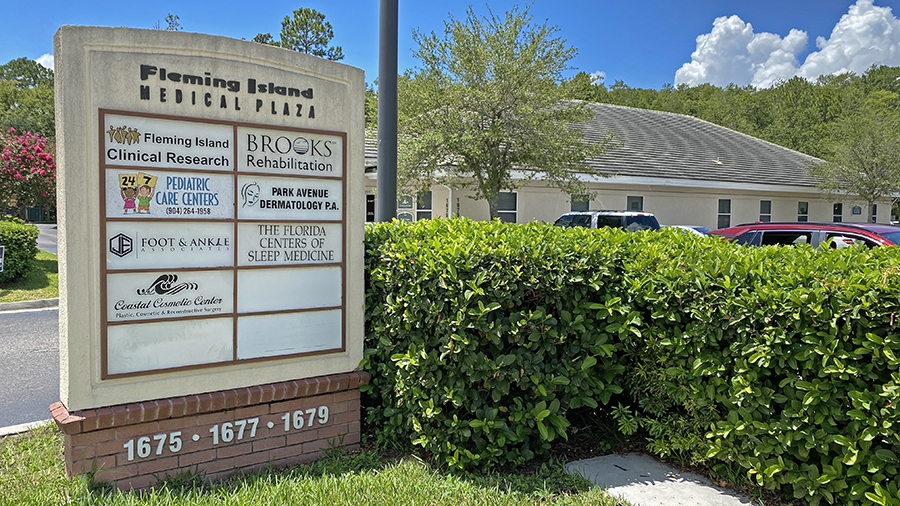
column 386, row 194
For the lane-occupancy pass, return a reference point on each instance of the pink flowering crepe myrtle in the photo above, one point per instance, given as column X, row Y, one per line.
column 27, row 170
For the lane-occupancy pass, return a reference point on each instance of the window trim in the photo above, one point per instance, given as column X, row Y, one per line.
column 514, row 213
column 628, row 208
column 837, row 217
column 802, row 217
column 720, row 214
column 765, row 217
column 573, row 200
column 421, row 210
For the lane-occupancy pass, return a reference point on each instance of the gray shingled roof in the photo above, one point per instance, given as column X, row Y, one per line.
column 668, row 145
column 676, row 146
column 371, row 154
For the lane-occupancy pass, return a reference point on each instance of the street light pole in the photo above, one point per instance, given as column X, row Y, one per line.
column 386, row 195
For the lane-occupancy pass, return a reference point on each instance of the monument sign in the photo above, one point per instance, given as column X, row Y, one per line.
column 210, row 238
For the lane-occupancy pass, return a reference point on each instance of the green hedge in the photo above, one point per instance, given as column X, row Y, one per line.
column 20, row 243
column 781, row 362
column 480, row 336
column 793, row 350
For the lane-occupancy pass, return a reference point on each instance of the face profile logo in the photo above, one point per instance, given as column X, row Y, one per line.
column 250, row 193
column 124, row 135
column 121, row 245
column 165, row 285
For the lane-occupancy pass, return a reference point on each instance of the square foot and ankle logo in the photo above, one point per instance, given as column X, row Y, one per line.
column 121, row 245
column 154, row 245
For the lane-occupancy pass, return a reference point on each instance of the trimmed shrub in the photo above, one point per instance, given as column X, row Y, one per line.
column 20, row 243
column 793, row 350
column 778, row 361
column 480, row 336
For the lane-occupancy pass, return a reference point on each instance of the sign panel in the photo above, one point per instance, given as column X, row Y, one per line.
column 154, row 295
column 281, row 152
column 168, row 345
column 288, row 333
column 268, row 243
column 137, row 194
column 279, row 289
column 135, row 141
column 159, row 245
column 280, row 198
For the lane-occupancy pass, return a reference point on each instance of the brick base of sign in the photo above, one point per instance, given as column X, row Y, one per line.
column 215, row 434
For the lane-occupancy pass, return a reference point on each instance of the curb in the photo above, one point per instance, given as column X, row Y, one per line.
column 29, row 304
column 24, row 427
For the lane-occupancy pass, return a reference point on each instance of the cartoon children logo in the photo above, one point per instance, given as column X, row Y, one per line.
column 128, row 197
column 137, row 192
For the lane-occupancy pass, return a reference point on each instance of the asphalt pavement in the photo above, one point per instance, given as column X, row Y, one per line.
column 47, row 237
column 29, row 353
column 29, row 364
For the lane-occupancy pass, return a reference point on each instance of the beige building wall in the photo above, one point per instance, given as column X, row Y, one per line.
column 672, row 204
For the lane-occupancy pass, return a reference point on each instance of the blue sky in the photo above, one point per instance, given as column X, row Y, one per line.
column 645, row 43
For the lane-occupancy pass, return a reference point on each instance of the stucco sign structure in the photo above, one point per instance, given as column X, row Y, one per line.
column 210, row 231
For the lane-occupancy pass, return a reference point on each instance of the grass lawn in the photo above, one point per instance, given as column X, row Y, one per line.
column 41, row 283
column 32, row 473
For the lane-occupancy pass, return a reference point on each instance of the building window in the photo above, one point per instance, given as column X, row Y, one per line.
column 765, row 211
column 579, row 203
column 370, row 208
column 423, row 206
column 724, row 213
column 874, row 213
column 507, row 206
column 802, row 211
column 634, row 203
column 411, row 209
column 837, row 214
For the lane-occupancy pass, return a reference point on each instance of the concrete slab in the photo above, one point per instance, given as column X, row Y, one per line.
column 644, row 481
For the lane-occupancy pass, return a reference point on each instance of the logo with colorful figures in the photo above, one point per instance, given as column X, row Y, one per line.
column 137, row 192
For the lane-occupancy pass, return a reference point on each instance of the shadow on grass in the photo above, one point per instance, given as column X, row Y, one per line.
column 550, row 480
column 38, row 284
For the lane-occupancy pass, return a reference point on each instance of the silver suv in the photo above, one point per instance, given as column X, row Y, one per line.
column 627, row 220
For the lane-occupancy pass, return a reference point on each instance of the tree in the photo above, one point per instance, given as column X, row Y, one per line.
column 371, row 107
column 27, row 170
column 26, row 73
column 865, row 156
column 306, row 32
column 172, row 22
column 26, row 97
column 487, row 102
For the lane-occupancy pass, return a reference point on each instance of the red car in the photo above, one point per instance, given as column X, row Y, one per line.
column 835, row 235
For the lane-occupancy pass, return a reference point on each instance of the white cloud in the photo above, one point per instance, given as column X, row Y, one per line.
column 866, row 35
column 733, row 53
column 46, row 60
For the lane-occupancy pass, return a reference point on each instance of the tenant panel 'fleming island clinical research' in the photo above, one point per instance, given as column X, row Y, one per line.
column 224, row 242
